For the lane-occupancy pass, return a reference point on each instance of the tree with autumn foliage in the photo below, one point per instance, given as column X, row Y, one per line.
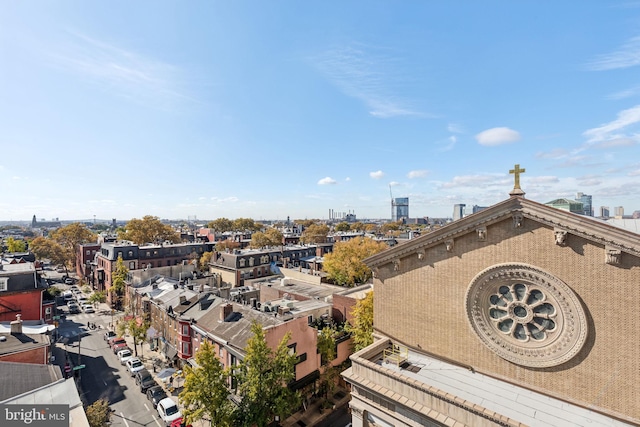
column 149, row 229
column 315, row 233
column 118, row 282
column 45, row 248
column 205, row 393
column 361, row 326
column 70, row 236
column 345, row 265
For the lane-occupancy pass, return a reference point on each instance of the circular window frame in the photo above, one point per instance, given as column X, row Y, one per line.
column 559, row 344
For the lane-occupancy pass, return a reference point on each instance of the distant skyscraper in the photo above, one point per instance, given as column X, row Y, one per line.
column 400, row 208
column 604, row 211
column 458, row 211
column 586, row 201
column 618, row 211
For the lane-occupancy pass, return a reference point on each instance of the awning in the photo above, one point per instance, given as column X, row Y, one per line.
column 304, row 381
column 170, row 352
column 167, row 372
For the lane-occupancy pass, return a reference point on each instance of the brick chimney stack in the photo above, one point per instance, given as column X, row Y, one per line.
column 16, row 325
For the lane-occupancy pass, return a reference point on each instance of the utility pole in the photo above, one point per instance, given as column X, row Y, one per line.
column 79, row 356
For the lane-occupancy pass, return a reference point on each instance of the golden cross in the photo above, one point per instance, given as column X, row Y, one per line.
column 516, row 171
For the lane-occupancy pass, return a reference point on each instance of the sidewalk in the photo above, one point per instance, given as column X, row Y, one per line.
column 313, row 415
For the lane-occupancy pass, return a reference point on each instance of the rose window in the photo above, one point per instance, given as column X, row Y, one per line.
column 526, row 315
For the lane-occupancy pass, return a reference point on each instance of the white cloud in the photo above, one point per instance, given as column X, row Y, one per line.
column 497, row 136
column 376, row 174
column 417, row 174
column 123, row 72
column 363, row 75
column 327, row 181
column 634, row 173
column 475, row 181
column 608, row 131
column 628, row 55
column 543, row 180
column 394, row 184
column 455, row 128
column 231, row 199
column 347, row 179
column 556, row 153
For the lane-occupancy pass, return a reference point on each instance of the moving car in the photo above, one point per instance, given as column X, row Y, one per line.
column 134, row 365
column 168, row 411
column 73, row 307
column 155, row 394
column 145, row 380
column 108, row 335
column 88, row 308
column 116, row 341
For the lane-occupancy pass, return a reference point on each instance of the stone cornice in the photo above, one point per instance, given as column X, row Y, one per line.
column 578, row 225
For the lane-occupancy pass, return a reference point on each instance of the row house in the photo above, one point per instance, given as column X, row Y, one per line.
column 21, row 292
column 237, row 266
column 24, row 347
column 162, row 301
column 85, row 256
column 228, row 327
column 139, row 257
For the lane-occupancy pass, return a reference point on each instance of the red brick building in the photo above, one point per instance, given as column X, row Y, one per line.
column 21, row 292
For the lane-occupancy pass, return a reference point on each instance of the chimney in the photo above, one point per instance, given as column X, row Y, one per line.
column 16, row 325
column 183, row 299
column 225, row 311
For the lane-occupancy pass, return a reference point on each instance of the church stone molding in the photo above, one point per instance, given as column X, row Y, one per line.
column 449, row 245
column 396, row 265
column 482, row 233
column 526, row 315
column 560, row 236
column 613, row 255
column 421, row 254
column 518, row 218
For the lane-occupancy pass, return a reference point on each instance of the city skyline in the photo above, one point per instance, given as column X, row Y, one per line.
column 269, row 111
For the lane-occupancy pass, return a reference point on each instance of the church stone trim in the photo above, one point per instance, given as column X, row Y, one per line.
column 526, row 315
column 612, row 255
column 560, row 236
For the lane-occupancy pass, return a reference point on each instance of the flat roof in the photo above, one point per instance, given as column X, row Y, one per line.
column 518, row 403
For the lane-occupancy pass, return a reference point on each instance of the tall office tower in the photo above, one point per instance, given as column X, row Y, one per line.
column 458, row 211
column 399, row 208
column 604, row 211
column 586, row 201
column 618, row 211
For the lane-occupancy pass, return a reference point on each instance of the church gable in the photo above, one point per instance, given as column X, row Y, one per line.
column 522, row 292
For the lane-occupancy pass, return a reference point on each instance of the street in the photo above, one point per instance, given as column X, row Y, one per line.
column 102, row 376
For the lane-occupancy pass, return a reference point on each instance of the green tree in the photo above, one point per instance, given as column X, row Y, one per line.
column 275, row 236
column 15, row 245
column 305, row 222
column 361, row 326
column 70, row 236
column 44, row 248
column 118, row 282
column 315, row 233
column 343, row 226
column 221, row 225
column 205, row 392
column 345, row 265
column 149, row 229
column 98, row 297
column 205, row 259
column 271, row 237
column 327, row 350
column 98, row 413
column 138, row 331
column 262, row 377
column 388, row 227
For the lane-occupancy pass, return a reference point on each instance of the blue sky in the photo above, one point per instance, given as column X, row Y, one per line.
column 256, row 109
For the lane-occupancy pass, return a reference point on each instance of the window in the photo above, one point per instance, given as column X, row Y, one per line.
column 132, row 265
column 186, row 348
column 88, row 252
column 242, row 262
column 3, row 283
column 523, row 315
column 47, row 310
column 185, row 330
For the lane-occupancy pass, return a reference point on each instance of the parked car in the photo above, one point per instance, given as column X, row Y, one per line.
column 134, row 365
column 69, row 281
column 168, row 411
column 68, row 296
column 116, row 341
column 155, row 394
column 179, row 422
column 119, row 347
column 82, row 299
column 73, row 307
column 108, row 335
column 145, row 380
column 124, row 355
